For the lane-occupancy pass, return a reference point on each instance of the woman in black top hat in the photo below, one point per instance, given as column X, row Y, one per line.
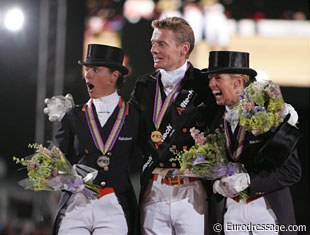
column 266, row 184
column 100, row 134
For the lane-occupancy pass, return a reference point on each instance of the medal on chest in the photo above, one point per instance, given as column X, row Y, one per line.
column 104, row 161
column 105, row 148
column 160, row 108
column 156, row 136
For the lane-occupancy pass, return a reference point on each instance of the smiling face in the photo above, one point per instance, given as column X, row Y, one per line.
column 226, row 88
column 167, row 53
column 100, row 81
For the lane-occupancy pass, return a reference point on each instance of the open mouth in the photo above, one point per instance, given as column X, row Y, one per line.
column 217, row 93
column 90, row 86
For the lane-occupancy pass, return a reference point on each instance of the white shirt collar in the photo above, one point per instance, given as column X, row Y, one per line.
column 107, row 99
column 171, row 79
column 232, row 117
column 105, row 106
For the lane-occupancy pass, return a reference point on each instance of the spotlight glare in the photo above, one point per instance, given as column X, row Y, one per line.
column 14, row 19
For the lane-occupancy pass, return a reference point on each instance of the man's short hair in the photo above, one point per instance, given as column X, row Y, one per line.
column 183, row 31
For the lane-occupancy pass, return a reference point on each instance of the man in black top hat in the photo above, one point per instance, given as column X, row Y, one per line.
column 100, row 134
column 270, row 159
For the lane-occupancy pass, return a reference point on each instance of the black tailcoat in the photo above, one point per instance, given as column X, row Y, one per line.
column 75, row 140
column 272, row 171
column 193, row 107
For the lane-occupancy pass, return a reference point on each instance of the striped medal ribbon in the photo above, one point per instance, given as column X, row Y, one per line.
column 105, row 148
column 160, row 109
column 240, row 138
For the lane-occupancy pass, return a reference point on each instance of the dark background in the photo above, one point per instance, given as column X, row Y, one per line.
column 18, row 77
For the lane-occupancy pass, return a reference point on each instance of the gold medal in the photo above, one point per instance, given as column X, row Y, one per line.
column 103, row 162
column 156, row 136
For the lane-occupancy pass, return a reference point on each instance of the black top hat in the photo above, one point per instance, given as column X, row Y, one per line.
column 103, row 55
column 230, row 62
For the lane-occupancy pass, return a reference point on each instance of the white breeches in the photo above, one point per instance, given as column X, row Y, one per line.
column 96, row 217
column 241, row 217
column 174, row 209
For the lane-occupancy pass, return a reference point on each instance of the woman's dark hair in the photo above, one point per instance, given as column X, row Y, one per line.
column 120, row 80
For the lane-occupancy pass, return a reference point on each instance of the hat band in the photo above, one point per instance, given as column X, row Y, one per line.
column 99, row 60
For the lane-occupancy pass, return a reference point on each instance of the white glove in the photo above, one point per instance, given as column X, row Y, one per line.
column 231, row 186
column 289, row 109
column 57, row 106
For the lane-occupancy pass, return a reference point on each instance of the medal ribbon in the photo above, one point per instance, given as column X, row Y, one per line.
column 94, row 130
column 159, row 108
column 240, row 138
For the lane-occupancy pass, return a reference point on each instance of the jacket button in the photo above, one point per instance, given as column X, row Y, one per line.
column 86, row 151
column 161, row 164
column 103, row 183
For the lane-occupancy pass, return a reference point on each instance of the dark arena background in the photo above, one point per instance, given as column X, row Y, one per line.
column 39, row 60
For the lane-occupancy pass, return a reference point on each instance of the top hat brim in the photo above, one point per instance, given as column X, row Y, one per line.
column 248, row 71
column 121, row 68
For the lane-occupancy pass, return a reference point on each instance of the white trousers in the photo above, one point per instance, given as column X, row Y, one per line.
column 241, row 217
column 174, row 210
column 96, row 217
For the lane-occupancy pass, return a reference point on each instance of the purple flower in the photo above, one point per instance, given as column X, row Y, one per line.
column 244, row 96
column 246, row 112
column 200, row 158
column 233, row 168
column 230, row 169
column 259, row 109
column 218, row 171
column 75, row 185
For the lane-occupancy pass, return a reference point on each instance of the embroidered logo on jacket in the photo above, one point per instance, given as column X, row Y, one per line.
column 149, row 162
column 255, row 141
column 185, row 102
column 124, row 138
column 169, row 131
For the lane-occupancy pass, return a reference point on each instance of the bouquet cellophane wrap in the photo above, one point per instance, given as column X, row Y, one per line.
column 49, row 169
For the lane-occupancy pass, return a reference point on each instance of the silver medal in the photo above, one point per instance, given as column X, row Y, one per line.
column 103, row 162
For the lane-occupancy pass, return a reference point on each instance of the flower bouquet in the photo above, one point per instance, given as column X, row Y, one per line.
column 261, row 107
column 48, row 169
column 262, row 110
column 206, row 159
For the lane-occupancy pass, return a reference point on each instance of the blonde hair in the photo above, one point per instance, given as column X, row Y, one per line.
column 245, row 77
column 182, row 30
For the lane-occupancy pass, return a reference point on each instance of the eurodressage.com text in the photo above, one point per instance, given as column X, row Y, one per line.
column 259, row 227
